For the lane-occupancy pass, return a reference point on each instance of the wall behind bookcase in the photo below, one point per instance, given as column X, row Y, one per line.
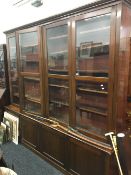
column 31, row 13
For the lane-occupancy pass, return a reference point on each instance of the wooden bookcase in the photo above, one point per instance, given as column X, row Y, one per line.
column 69, row 74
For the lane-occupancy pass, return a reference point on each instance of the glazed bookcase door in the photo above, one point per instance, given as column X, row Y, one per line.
column 92, row 72
column 29, row 63
column 13, row 70
column 58, row 71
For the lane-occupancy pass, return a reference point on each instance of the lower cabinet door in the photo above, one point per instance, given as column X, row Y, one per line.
column 85, row 159
column 29, row 129
column 52, row 145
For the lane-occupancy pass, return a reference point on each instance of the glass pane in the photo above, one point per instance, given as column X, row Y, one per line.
column 2, row 70
column 14, row 82
column 91, row 106
column 32, row 88
column 57, row 47
column 29, row 58
column 32, row 95
column 32, row 107
column 59, row 99
column 92, row 46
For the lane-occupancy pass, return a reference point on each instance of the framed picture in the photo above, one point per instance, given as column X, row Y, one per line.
column 96, row 49
column 85, row 49
column 12, row 122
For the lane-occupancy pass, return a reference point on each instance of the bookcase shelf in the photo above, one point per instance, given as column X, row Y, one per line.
column 88, row 109
column 57, row 53
column 30, row 74
column 92, row 79
column 36, row 100
column 93, row 91
column 59, row 86
column 59, row 103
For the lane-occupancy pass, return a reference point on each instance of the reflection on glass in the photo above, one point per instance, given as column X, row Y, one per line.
column 91, row 106
column 13, row 71
column 92, row 46
column 2, row 70
column 57, row 47
column 59, row 99
column 29, row 58
column 32, row 107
